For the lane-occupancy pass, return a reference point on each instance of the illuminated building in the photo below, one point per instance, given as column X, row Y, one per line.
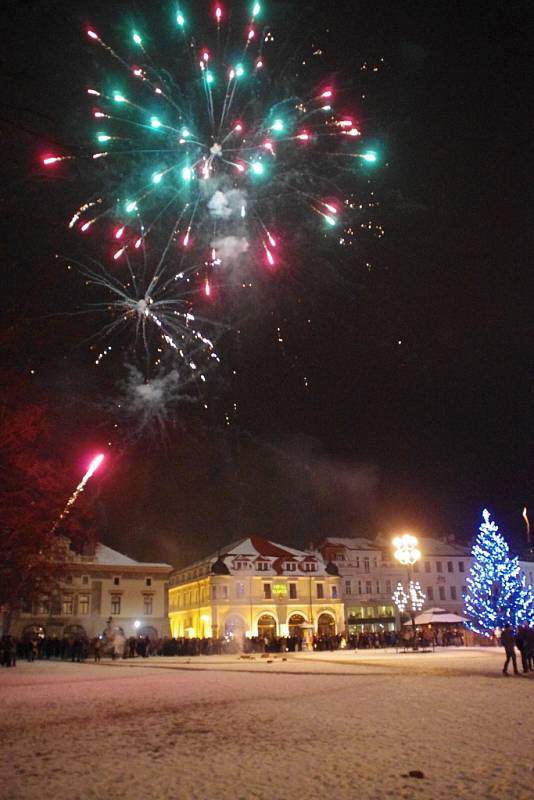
column 95, row 586
column 255, row 587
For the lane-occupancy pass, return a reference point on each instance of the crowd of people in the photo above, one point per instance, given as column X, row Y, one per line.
column 114, row 644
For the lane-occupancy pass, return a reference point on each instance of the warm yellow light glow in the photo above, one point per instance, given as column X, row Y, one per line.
column 407, row 549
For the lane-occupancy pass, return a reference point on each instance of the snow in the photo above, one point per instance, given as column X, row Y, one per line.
column 317, row 725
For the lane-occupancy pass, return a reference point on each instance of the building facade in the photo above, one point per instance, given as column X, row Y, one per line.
column 255, row 587
column 94, row 588
column 369, row 575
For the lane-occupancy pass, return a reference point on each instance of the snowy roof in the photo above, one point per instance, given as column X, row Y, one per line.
column 355, row 543
column 253, row 549
column 106, row 556
column 428, row 545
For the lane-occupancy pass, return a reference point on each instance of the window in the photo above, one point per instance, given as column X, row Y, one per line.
column 439, row 566
column 224, row 592
column 388, row 587
column 83, row 604
column 291, row 566
column 340, row 557
column 375, row 562
column 334, row 592
column 43, row 606
column 429, row 593
column 68, row 578
column 464, row 590
column 461, row 566
column 148, row 581
column 56, row 605
column 427, row 566
column 450, row 566
column 359, row 587
column 368, row 587
column 85, row 580
column 366, row 564
column 320, row 591
column 378, row 587
column 115, row 604
column 240, row 589
column 267, row 591
column 348, row 587
column 310, row 566
column 116, row 581
column 67, row 605
column 292, row 591
column 262, row 566
column 442, row 593
column 357, row 561
column 147, row 604
column 453, row 592
column 214, row 593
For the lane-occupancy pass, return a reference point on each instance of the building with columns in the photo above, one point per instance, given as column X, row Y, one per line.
column 255, row 587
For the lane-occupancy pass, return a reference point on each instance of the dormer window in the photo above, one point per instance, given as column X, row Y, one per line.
column 290, row 566
column 241, row 563
column 262, row 566
column 309, row 566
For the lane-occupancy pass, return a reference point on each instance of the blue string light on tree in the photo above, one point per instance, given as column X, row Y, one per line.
column 497, row 593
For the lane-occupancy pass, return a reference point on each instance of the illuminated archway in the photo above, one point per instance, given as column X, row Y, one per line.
column 267, row 626
column 326, row 625
column 294, row 624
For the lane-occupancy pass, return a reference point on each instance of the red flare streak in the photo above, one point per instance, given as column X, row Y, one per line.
column 51, row 160
column 138, row 243
column 92, row 34
column 119, row 232
column 207, row 288
column 118, row 254
column 86, row 226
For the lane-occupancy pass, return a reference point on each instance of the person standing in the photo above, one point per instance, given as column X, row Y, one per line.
column 508, row 642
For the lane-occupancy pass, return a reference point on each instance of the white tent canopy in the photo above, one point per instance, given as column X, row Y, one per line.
column 433, row 615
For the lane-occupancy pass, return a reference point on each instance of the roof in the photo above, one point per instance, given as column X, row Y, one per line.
column 254, row 548
column 106, row 556
column 428, row 545
column 353, row 543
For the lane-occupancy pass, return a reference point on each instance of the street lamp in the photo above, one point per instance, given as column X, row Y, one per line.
column 407, row 553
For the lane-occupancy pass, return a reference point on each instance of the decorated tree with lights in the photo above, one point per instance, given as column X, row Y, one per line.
column 497, row 594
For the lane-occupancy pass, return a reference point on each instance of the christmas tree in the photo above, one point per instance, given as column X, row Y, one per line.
column 496, row 590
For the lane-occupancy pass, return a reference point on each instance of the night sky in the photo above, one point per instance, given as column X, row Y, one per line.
column 420, row 374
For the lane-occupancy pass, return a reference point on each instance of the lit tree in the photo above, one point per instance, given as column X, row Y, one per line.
column 496, row 588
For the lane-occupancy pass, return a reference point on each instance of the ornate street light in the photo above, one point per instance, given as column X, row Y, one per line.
column 412, row 598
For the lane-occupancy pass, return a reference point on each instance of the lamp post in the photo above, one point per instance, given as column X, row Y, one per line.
column 407, row 553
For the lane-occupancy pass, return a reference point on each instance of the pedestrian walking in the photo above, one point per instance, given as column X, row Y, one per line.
column 508, row 642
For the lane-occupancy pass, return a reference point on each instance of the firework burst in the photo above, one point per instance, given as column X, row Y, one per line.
column 214, row 145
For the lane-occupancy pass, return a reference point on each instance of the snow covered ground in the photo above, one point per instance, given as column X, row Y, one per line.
column 338, row 725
